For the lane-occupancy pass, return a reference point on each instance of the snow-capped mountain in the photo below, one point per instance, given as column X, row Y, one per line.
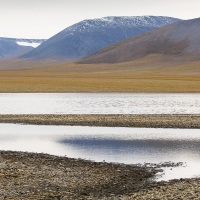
column 123, row 22
column 14, row 47
column 89, row 36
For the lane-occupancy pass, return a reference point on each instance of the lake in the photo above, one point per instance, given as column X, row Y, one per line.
column 123, row 145
column 99, row 103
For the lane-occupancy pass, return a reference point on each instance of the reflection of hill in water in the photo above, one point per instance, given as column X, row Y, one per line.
column 148, row 147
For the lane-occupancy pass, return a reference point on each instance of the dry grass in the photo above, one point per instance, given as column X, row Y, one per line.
column 152, row 74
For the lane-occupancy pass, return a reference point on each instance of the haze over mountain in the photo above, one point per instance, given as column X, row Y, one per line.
column 13, row 47
column 89, row 36
column 178, row 41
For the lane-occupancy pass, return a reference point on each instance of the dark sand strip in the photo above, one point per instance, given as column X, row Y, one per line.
column 148, row 121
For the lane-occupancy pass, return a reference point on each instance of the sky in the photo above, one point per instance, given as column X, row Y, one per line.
column 44, row 18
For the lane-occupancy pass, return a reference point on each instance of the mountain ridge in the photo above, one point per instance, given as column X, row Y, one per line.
column 89, row 36
column 178, row 40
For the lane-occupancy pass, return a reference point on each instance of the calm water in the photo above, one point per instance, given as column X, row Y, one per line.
column 103, row 103
column 124, row 145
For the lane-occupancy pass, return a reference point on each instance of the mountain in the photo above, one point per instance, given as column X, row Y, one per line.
column 13, row 47
column 89, row 36
column 179, row 42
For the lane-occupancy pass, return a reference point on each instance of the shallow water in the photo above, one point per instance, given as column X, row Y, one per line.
column 99, row 103
column 123, row 145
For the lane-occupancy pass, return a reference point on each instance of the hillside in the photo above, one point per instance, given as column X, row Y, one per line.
column 89, row 36
column 152, row 74
column 179, row 41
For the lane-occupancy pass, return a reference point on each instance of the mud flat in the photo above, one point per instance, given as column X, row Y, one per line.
column 146, row 121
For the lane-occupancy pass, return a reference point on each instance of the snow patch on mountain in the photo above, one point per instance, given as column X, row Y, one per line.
column 28, row 44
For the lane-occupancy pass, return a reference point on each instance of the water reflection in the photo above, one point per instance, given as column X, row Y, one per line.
column 136, row 151
column 124, row 145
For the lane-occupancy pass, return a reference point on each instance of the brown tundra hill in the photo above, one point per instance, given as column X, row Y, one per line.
column 179, row 41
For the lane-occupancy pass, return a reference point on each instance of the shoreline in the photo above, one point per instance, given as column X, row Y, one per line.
column 187, row 121
column 42, row 176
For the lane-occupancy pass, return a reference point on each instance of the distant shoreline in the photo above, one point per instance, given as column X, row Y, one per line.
column 143, row 121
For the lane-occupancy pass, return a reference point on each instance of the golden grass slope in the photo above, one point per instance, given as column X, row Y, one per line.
column 154, row 73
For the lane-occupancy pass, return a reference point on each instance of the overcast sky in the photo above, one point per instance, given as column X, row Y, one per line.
column 44, row 18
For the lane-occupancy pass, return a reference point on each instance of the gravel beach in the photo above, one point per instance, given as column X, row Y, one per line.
column 148, row 121
column 184, row 189
column 41, row 176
